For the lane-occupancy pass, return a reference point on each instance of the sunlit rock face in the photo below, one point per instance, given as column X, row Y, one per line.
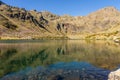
column 115, row 75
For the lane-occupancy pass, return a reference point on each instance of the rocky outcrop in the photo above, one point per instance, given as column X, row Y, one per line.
column 49, row 16
column 26, row 16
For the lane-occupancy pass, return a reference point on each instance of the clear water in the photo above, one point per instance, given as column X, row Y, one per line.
column 58, row 59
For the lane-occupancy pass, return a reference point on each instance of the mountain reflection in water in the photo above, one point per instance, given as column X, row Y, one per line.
column 91, row 59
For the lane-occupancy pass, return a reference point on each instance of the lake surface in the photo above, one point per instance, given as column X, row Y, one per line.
column 58, row 59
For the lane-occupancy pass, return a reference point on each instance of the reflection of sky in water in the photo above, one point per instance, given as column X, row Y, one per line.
column 16, row 56
column 61, row 71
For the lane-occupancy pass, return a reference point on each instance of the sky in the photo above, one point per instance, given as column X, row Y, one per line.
column 62, row 7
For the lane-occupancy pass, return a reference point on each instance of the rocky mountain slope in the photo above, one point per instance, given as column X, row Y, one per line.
column 18, row 23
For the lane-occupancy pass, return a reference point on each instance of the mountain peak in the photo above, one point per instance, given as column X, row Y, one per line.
column 111, row 8
column 107, row 11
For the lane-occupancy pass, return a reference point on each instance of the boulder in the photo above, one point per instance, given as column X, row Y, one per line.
column 115, row 75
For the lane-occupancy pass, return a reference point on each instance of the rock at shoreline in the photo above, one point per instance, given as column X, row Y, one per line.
column 115, row 75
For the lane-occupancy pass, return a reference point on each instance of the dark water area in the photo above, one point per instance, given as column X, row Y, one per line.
column 58, row 59
column 61, row 71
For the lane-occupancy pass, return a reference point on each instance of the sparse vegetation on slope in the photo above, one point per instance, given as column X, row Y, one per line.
column 18, row 23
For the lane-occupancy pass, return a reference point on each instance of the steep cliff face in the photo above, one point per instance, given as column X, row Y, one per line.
column 18, row 23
